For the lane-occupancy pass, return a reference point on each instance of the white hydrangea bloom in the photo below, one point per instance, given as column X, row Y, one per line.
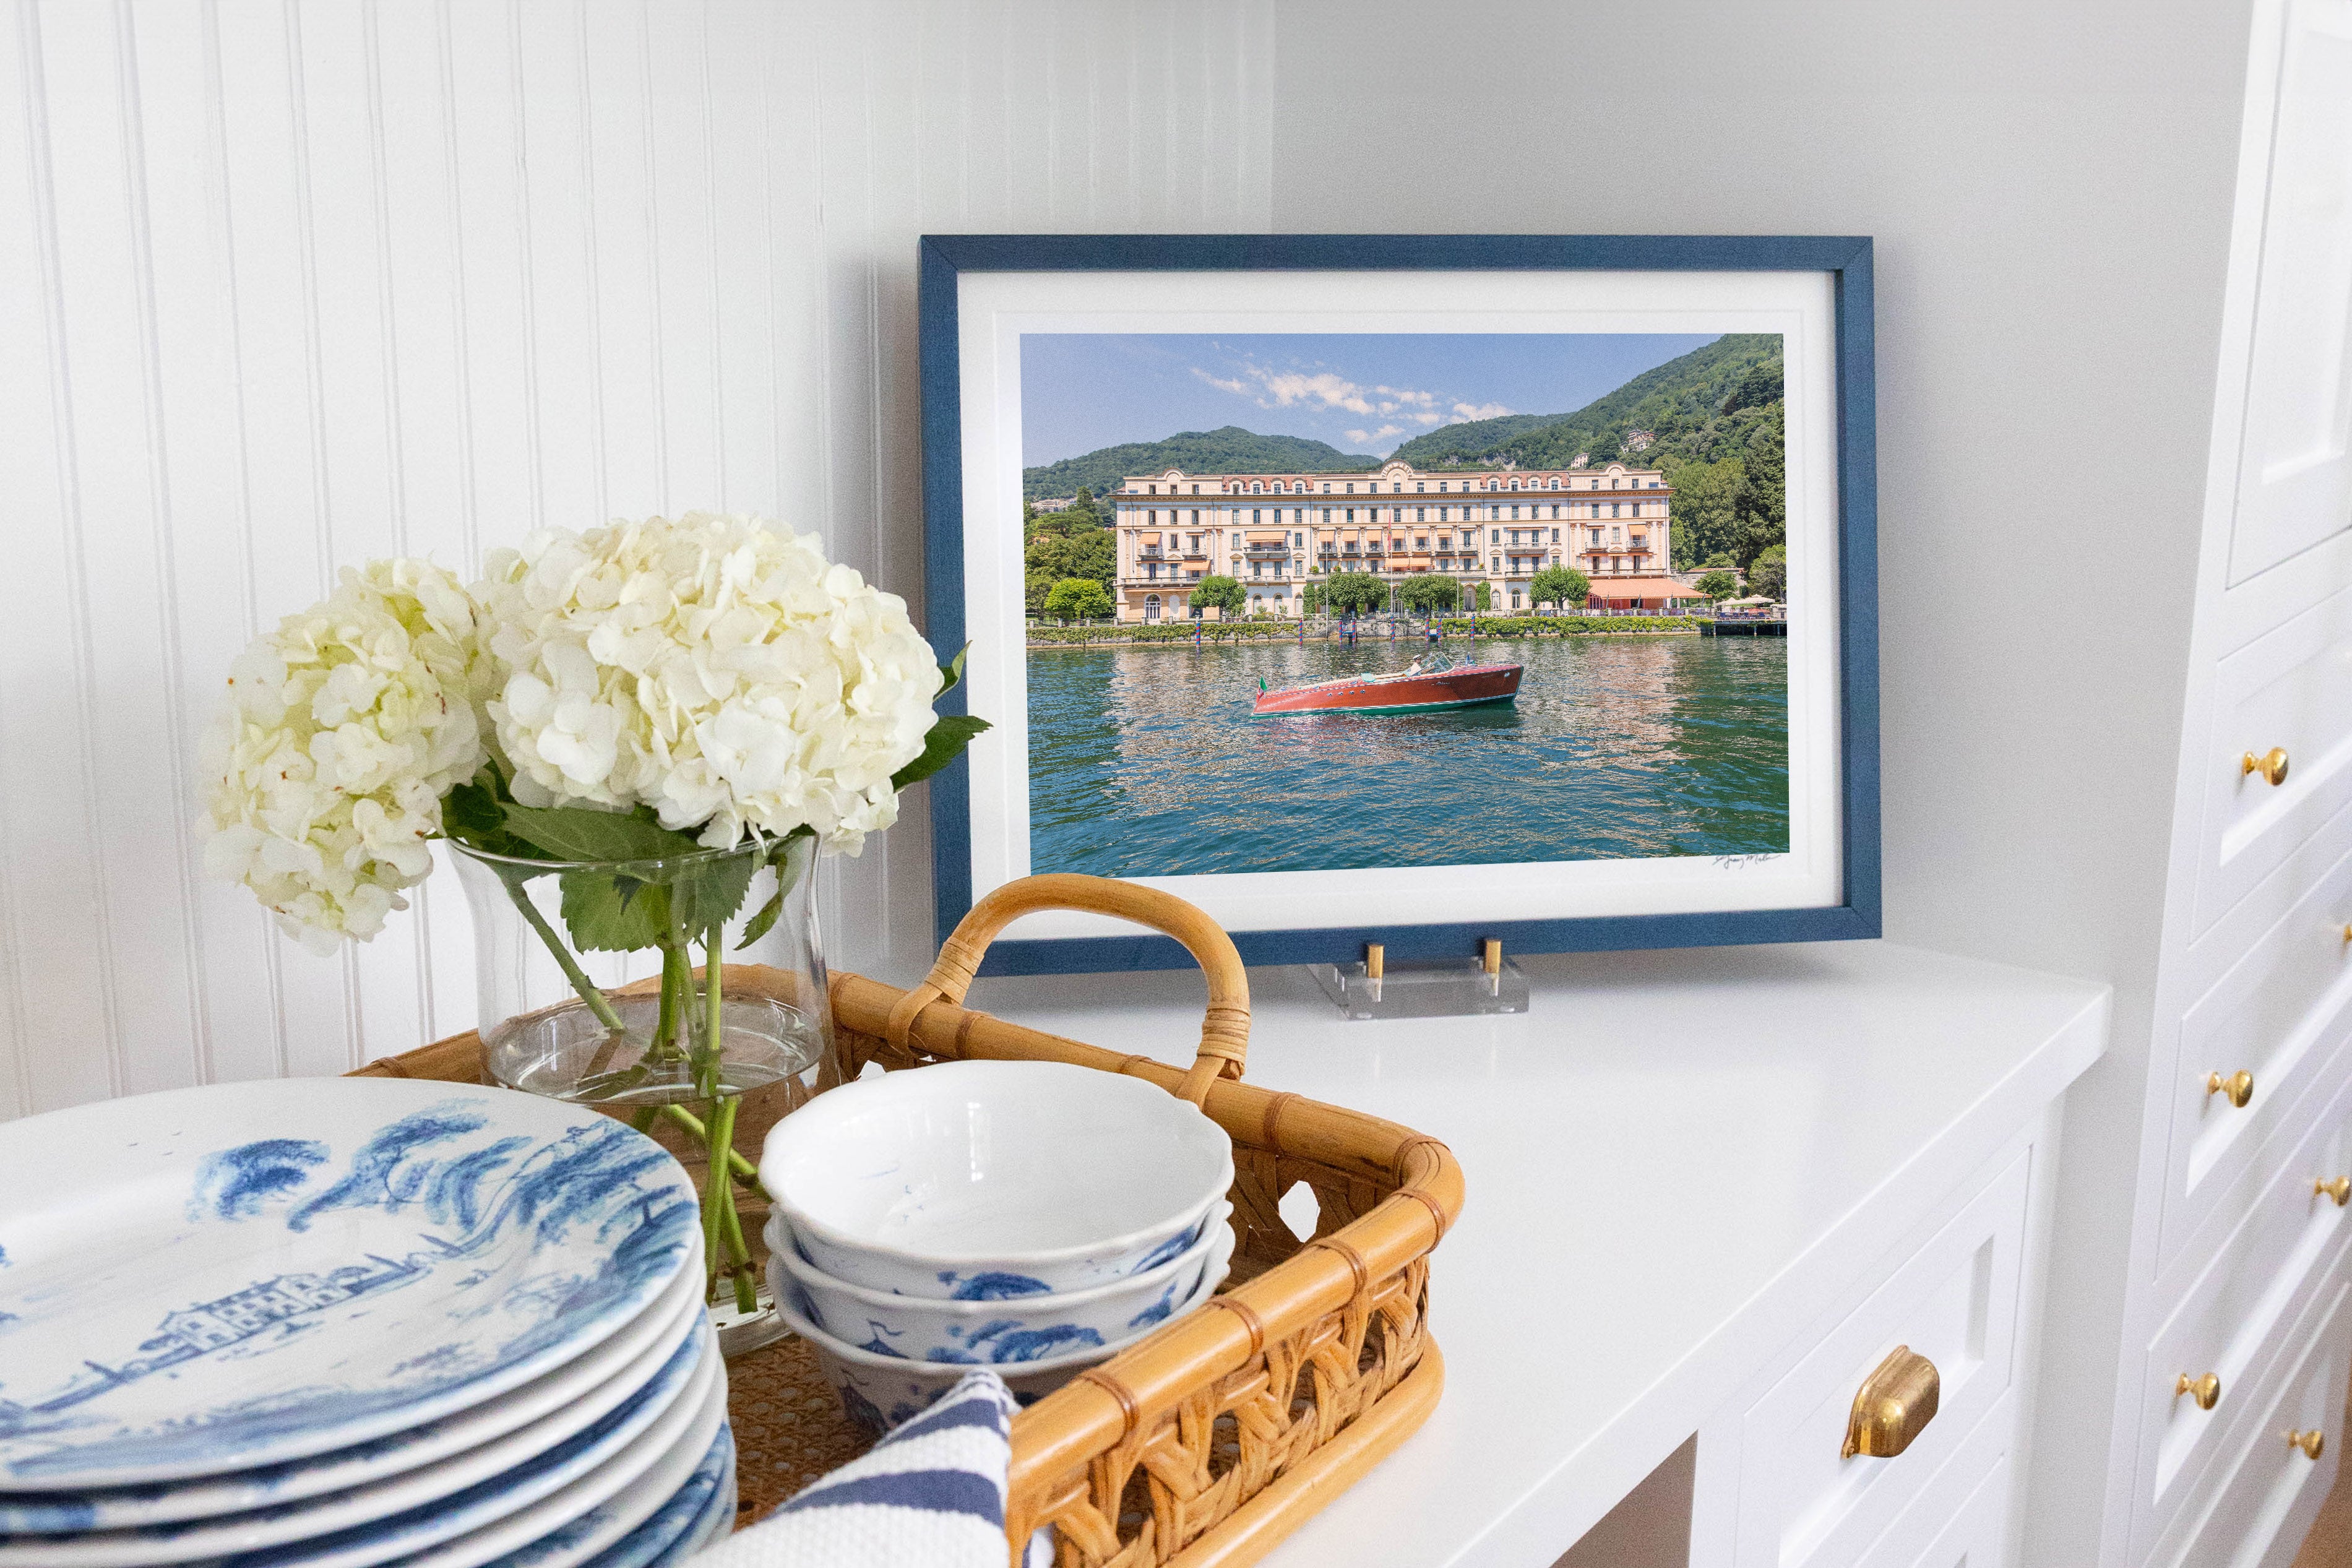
column 716, row 668
column 343, row 729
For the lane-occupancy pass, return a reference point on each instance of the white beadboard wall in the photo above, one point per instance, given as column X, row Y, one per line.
column 288, row 284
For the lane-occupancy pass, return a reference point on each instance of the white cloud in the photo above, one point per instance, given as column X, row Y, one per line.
column 1481, row 410
column 1373, row 438
column 1323, row 390
column 1326, row 390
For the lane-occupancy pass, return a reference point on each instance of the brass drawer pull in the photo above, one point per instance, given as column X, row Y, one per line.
column 2206, row 1390
column 2337, row 1187
column 1892, row 1407
column 2313, row 1443
column 2271, row 764
column 2239, row 1086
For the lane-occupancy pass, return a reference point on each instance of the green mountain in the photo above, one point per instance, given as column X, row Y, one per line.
column 1707, row 405
column 1716, row 420
column 1465, row 442
column 1232, row 450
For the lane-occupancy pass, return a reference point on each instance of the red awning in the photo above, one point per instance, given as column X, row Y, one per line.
column 1613, row 590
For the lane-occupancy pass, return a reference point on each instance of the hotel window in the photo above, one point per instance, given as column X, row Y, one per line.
column 1498, row 564
column 1237, row 542
column 1196, row 489
column 1254, row 517
column 1421, row 514
column 1421, row 544
column 1419, row 488
column 1327, row 490
column 1555, row 536
column 1297, row 539
column 1494, row 536
column 1351, row 514
column 1441, row 486
column 1351, row 488
column 1596, row 538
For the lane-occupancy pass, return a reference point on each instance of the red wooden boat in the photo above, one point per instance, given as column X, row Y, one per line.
column 1422, row 688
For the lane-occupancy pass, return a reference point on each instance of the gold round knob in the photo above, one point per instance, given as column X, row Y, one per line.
column 2239, row 1086
column 2206, row 1390
column 2337, row 1187
column 2313, row 1443
column 2271, row 764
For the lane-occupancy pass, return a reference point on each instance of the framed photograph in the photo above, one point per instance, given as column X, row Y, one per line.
column 1416, row 590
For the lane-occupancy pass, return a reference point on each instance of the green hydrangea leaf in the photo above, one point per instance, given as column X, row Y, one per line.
column 951, row 672
column 942, row 744
column 708, row 894
column 787, row 878
column 582, row 833
column 606, row 913
column 472, row 813
column 761, row 924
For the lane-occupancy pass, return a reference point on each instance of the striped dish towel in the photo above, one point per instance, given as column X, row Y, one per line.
column 929, row 1495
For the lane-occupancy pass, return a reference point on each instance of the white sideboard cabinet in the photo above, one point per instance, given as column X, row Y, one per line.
column 1710, row 1195
column 2233, row 1342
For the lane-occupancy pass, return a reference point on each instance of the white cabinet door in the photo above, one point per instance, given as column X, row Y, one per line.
column 2295, row 468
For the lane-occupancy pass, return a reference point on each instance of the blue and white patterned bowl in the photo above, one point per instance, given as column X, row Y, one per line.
column 1036, row 1177
column 879, row 1392
column 1005, row 1325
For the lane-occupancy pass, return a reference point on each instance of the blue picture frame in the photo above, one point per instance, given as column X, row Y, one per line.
column 945, row 258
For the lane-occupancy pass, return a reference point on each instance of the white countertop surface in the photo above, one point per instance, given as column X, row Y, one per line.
column 1676, row 1162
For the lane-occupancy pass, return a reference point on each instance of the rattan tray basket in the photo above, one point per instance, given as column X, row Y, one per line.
column 1208, row 1441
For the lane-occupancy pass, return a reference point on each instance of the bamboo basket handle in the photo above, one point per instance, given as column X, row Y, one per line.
column 1224, row 1032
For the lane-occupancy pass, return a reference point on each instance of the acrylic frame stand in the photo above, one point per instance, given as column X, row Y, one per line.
column 1444, row 988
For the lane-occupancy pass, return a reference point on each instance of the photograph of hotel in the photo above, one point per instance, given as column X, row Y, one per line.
column 1276, row 533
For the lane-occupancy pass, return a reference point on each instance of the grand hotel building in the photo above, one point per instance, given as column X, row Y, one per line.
column 1278, row 532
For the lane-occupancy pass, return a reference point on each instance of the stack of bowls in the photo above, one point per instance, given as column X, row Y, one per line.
column 327, row 1323
column 1031, row 1217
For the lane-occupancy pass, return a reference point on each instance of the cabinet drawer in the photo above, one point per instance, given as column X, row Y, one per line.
column 2273, row 1491
column 1954, row 1302
column 1960, row 1517
column 2290, row 690
column 1975, row 1534
column 2235, row 1316
column 2278, row 1014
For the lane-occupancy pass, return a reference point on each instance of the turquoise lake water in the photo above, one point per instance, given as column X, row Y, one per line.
column 1146, row 762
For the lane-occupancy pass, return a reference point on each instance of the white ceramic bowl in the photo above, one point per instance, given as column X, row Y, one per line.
column 879, row 1392
column 1009, row 1329
column 970, row 1179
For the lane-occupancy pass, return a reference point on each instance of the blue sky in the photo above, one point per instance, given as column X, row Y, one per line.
column 1360, row 392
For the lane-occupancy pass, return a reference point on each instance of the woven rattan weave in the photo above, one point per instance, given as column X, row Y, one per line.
column 1208, row 1441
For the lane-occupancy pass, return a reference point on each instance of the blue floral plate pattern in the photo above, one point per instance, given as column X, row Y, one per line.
column 218, row 1279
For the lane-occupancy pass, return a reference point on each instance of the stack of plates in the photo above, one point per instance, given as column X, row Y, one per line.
column 334, row 1322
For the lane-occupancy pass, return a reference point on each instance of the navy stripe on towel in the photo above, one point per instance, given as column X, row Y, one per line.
column 937, row 1491
column 973, row 1412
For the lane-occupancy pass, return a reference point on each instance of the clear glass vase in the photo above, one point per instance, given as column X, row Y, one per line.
column 594, row 987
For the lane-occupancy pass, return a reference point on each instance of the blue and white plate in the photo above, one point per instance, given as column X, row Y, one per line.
column 402, row 1513
column 217, row 1278
column 697, row 1514
column 568, row 1529
column 482, row 1440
